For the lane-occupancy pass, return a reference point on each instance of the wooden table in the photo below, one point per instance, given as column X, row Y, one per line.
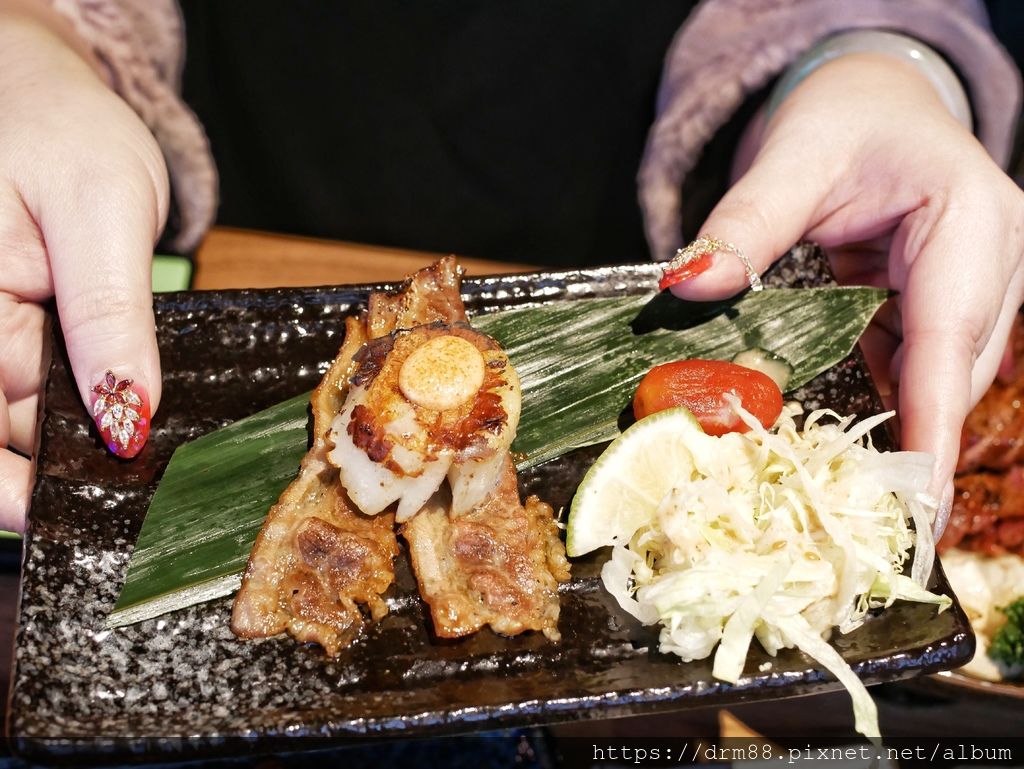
column 231, row 258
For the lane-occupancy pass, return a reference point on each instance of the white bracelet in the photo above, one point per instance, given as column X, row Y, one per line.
column 928, row 63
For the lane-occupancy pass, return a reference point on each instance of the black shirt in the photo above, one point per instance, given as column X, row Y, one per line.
column 498, row 130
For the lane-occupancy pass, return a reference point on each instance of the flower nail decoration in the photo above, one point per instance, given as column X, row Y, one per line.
column 121, row 411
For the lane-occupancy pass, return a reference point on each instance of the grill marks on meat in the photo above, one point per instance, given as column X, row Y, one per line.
column 497, row 565
column 464, row 429
column 317, row 559
column 319, row 566
column 988, row 500
column 337, row 571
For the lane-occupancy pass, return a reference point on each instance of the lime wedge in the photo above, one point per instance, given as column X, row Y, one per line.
column 623, row 489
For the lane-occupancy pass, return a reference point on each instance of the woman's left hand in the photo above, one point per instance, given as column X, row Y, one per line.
column 864, row 152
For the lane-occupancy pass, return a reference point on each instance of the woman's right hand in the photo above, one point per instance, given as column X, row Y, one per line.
column 83, row 196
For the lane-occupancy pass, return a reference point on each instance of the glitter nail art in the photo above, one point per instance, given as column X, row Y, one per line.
column 698, row 256
column 121, row 412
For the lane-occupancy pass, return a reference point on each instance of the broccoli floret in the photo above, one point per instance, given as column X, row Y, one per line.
column 1008, row 642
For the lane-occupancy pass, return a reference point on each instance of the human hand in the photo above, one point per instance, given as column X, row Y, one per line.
column 83, row 195
column 864, row 152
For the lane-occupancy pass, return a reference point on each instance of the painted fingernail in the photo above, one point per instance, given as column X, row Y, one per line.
column 121, row 412
column 685, row 269
column 699, row 256
column 942, row 512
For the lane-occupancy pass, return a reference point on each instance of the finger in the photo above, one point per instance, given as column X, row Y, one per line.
column 990, row 358
column 981, row 378
column 1008, row 361
column 764, row 214
column 100, row 238
column 26, row 273
column 879, row 345
column 22, row 416
column 5, row 421
column 947, row 321
column 15, row 488
column 22, row 325
column 15, row 478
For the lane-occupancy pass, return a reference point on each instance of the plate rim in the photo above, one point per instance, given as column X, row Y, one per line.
column 955, row 650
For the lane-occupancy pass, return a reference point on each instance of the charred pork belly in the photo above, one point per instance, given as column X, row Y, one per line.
column 441, row 401
column 319, row 565
column 498, row 564
column 317, row 559
column 420, row 409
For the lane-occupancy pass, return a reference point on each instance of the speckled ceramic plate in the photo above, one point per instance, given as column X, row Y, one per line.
column 183, row 681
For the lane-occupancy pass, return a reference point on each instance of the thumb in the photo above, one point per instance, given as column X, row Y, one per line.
column 763, row 215
column 100, row 245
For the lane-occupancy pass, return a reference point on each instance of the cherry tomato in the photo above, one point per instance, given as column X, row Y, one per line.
column 701, row 385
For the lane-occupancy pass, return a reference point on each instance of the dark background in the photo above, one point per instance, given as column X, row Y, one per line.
column 496, row 130
column 501, row 130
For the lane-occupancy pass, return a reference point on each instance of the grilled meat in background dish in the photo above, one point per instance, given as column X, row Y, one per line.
column 993, row 434
column 988, row 501
column 988, row 513
column 982, row 548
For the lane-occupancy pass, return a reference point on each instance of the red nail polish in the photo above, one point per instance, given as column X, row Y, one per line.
column 121, row 412
column 690, row 268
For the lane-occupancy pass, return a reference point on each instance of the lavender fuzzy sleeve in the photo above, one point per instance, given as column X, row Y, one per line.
column 729, row 49
column 140, row 44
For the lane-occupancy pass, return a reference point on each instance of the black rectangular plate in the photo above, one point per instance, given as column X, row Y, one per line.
column 183, row 682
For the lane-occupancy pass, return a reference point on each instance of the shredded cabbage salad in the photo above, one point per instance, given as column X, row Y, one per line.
column 781, row 535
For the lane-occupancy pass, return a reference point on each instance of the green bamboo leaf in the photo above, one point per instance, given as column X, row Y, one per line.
column 208, row 509
column 579, row 363
column 579, row 367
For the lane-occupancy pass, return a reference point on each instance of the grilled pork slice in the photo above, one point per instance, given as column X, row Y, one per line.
column 430, row 295
column 499, row 562
column 498, row 565
column 319, row 565
column 317, row 558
